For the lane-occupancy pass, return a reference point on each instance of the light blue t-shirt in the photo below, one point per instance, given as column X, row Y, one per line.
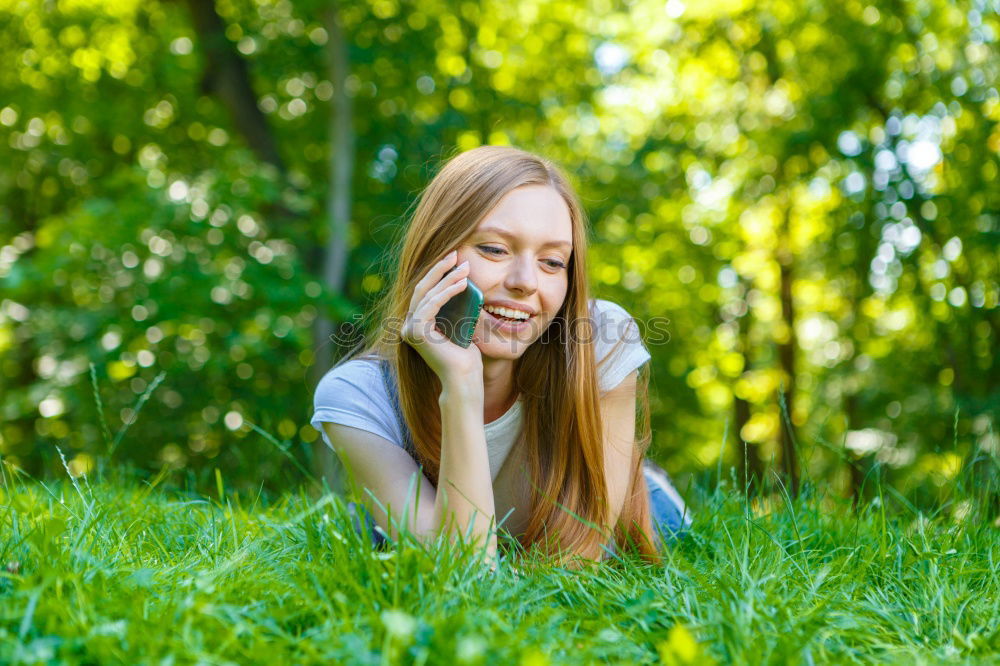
column 356, row 394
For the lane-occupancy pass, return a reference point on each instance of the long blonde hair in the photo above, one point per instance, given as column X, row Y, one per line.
column 556, row 377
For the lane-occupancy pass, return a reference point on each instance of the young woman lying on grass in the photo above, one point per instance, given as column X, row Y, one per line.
column 532, row 426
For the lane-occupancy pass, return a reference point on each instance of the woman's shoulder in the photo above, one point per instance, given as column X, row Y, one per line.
column 355, row 393
column 618, row 346
column 604, row 309
column 360, row 376
column 613, row 322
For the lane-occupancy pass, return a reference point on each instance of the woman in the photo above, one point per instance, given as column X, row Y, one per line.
column 532, row 426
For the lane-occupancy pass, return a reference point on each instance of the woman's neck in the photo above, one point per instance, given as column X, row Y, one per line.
column 498, row 388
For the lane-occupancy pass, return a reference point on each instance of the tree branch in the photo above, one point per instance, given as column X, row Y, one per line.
column 228, row 78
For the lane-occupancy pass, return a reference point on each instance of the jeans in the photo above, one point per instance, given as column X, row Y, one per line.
column 670, row 515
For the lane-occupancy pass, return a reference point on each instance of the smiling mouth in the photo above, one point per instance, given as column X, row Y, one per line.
column 502, row 312
column 510, row 320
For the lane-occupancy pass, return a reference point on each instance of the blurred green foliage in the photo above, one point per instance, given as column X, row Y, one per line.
column 806, row 190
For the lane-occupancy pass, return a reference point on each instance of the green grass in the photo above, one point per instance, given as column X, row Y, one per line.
column 134, row 573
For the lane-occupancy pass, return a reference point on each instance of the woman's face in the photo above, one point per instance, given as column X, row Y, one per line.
column 519, row 256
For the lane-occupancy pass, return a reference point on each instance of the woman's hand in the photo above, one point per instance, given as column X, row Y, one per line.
column 452, row 364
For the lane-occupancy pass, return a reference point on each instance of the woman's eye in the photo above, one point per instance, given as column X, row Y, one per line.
column 497, row 251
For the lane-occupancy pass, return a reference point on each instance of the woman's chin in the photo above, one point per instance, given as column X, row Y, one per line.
column 501, row 350
column 503, row 344
column 498, row 348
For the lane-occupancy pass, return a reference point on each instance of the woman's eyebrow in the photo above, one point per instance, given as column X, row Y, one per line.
column 506, row 234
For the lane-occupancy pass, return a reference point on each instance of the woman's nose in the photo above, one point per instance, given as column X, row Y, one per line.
column 521, row 276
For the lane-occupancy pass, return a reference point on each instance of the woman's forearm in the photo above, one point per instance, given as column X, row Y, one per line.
column 465, row 487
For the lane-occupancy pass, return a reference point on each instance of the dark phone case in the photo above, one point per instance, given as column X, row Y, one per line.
column 457, row 318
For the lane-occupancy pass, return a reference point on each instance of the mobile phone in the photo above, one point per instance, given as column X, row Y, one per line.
column 457, row 318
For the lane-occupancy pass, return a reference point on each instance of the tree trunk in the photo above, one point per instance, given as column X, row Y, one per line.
column 749, row 459
column 228, row 78
column 338, row 212
column 854, row 466
column 786, row 354
column 751, row 471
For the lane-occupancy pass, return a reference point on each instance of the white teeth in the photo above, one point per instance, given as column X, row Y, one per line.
column 507, row 312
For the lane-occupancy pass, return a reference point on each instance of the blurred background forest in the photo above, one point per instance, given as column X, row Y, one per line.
column 806, row 189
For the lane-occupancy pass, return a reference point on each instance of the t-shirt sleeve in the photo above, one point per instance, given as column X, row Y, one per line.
column 354, row 394
column 614, row 324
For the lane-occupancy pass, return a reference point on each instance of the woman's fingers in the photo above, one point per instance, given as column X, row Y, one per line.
column 459, row 272
column 423, row 319
column 432, row 277
column 433, row 301
column 423, row 309
column 445, row 282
